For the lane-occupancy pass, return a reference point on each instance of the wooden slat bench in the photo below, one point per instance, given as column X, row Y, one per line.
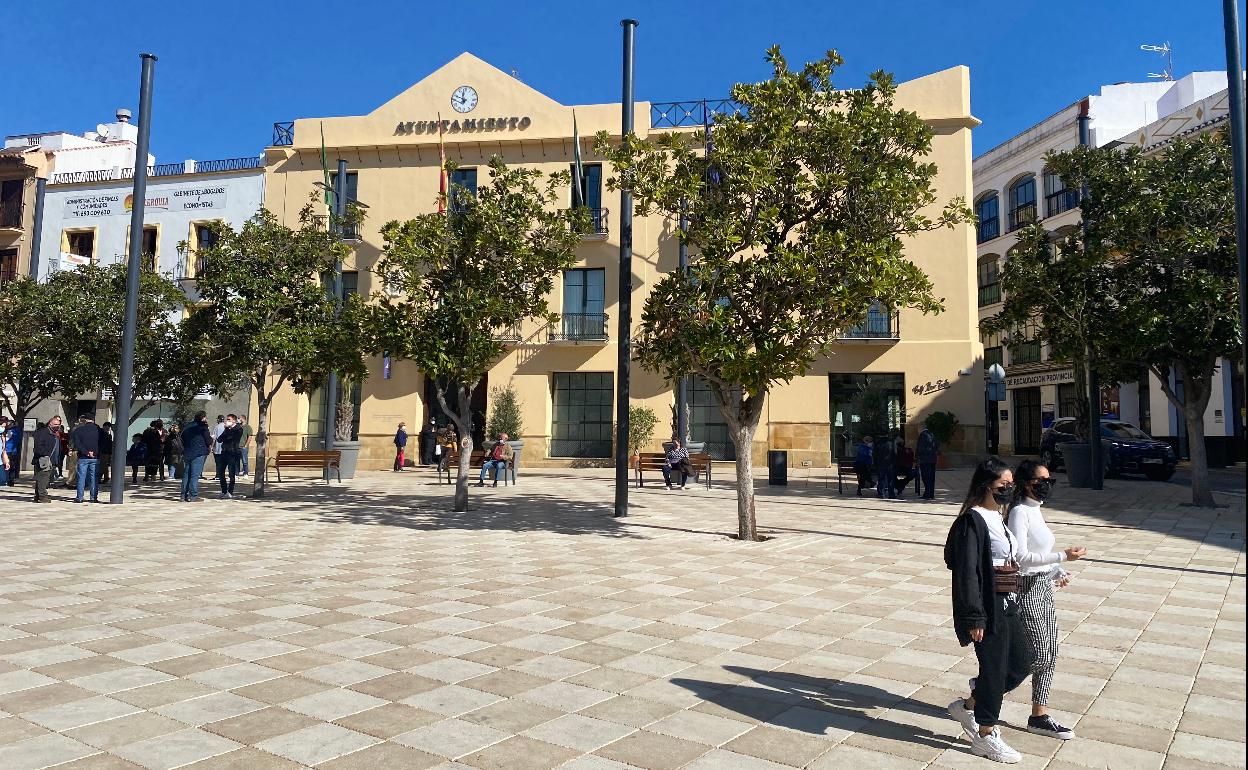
column 653, row 462
column 475, row 461
column 319, row 459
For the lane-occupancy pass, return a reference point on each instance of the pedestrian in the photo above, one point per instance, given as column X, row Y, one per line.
column 447, row 441
column 196, row 446
column 13, row 447
column 1041, row 573
column 104, row 467
column 45, row 444
column 244, row 446
column 86, row 443
column 983, row 556
column 400, row 446
column 61, row 452
column 216, row 445
column 4, row 452
column 906, row 472
column 173, row 451
column 154, row 464
column 885, row 467
column 429, row 440
column 136, row 455
column 925, row 451
column 863, row 463
column 227, row 457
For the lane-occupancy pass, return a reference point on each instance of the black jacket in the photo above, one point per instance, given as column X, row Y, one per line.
column 85, row 439
column 968, row 553
column 45, row 443
column 106, row 442
column 229, row 439
column 196, row 440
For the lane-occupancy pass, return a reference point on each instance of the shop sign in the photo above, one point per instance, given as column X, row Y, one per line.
column 185, row 198
column 1040, row 378
column 90, row 206
column 463, row 125
column 930, row 387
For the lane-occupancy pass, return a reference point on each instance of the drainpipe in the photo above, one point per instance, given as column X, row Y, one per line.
column 41, row 189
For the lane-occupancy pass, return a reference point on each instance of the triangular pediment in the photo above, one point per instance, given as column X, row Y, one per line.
column 498, row 93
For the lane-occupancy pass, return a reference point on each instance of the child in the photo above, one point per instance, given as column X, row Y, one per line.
column 136, row 456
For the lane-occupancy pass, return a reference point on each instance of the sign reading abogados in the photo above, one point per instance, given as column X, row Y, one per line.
column 171, row 199
column 462, row 125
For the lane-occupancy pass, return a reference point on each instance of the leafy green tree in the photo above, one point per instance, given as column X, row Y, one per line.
column 1158, row 272
column 642, row 422
column 457, row 280
column 266, row 314
column 799, row 218
column 505, row 413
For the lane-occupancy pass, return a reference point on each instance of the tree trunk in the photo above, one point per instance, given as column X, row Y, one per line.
column 463, row 421
column 262, row 445
column 1196, row 391
column 747, row 523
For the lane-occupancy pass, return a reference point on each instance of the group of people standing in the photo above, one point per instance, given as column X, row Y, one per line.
column 436, row 445
column 888, row 466
column 1005, row 569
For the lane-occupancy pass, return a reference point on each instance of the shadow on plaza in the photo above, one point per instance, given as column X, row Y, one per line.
column 820, row 706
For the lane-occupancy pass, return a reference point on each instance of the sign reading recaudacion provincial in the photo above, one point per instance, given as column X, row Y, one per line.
column 463, row 125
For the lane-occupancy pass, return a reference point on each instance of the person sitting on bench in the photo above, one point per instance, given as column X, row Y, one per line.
column 498, row 456
column 864, row 462
column 677, row 459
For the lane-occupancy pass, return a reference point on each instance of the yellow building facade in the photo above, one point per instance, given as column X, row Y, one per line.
column 565, row 375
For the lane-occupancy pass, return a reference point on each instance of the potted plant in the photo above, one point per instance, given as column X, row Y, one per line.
column 942, row 425
column 345, row 441
column 505, row 417
column 641, row 424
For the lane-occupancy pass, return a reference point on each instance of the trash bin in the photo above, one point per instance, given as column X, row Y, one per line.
column 777, row 468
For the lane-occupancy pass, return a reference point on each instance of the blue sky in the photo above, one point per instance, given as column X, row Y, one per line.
column 228, row 69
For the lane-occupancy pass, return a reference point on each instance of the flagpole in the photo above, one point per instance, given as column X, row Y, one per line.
column 624, row 358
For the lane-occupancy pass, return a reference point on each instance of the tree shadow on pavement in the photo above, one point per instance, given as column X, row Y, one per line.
column 831, row 707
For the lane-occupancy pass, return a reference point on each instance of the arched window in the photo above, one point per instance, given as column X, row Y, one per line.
column 1057, row 198
column 989, row 280
column 1022, row 202
column 987, row 209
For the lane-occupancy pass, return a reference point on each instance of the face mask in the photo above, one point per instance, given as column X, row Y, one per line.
column 1003, row 494
column 1042, row 489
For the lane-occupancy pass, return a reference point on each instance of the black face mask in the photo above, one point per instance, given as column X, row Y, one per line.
column 1003, row 494
column 1042, row 489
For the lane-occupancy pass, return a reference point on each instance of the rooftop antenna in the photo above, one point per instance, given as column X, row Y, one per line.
column 1164, row 50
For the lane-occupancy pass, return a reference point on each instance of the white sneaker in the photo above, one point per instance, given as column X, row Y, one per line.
column 993, row 746
column 964, row 717
column 223, row 496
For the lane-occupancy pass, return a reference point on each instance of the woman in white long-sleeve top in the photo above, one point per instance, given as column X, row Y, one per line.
column 1040, row 571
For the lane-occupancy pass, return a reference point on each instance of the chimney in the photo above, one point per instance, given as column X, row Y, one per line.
column 123, row 115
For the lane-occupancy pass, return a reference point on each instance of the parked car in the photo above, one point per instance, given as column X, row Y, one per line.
column 1125, row 449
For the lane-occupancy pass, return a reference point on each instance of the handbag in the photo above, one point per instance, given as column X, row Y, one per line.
column 1005, row 578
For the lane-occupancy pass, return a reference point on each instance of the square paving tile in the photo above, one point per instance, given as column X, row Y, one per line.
column 316, row 744
column 175, row 749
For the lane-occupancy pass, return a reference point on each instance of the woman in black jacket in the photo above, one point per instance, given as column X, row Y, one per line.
column 981, row 552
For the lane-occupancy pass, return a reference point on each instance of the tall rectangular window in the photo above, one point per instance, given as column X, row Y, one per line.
column 993, row 352
column 591, row 193
column 583, row 414
column 584, row 303
column 706, row 422
column 353, row 184
column 989, row 282
column 989, row 225
column 465, row 178
column 1025, row 349
column 151, row 242
column 1057, row 198
column 8, row 265
column 80, row 243
column 204, row 238
column 1022, row 203
column 1067, row 400
column 11, row 203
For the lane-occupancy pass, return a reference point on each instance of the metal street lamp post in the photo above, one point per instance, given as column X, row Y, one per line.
column 125, row 382
column 335, row 228
column 1239, row 151
column 1097, row 479
column 624, row 359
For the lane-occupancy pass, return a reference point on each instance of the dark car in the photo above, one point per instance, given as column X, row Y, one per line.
column 1125, row 448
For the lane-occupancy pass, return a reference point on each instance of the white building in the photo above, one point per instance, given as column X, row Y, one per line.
column 1013, row 189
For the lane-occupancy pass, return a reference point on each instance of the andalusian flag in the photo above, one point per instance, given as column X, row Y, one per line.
column 578, row 171
column 441, row 169
column 325, row 171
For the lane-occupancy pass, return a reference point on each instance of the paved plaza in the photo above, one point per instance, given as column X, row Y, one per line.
column 366, row 626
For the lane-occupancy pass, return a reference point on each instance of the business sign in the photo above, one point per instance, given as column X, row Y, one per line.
column 184, row 198
column 1040, row 378
column 463, row 125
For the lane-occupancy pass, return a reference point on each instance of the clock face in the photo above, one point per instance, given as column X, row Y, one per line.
column 464, row 99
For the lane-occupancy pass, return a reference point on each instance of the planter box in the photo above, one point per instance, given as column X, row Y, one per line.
column 350, row 456
column 1078, row 460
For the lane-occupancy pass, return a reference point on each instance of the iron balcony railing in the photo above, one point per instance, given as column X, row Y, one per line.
column 284, row 133
column 350, row 231
column 580, row 327
column 510, row 334
column 11, row 214
column 598, row 221
column 1027, row 352
column 1060, row 201
column 880, row 325
column 698, row 112
column 164, row 169
column 990, row 294
column 987, row 229
column 1022, row 215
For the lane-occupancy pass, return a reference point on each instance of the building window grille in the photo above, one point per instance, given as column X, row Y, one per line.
column 583, row 414
column 584, row 304
column 989, row 283
column 989, row 225
column 1022, row 203
column 1057, row 197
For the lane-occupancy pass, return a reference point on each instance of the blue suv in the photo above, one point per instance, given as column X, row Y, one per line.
column 1125, row 448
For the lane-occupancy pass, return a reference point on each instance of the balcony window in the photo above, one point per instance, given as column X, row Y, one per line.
column 989, row 282
column 881, row 323
column 1057, row 198
column 8, row 265
column 1022, row 203
column 988, row 212
column 583, row 415
column 11, row 203
column 584, row 305
column 463, row 187
column 591, row 196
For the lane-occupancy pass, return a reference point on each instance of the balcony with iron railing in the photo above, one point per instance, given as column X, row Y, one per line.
column 987, row 229
column 697, row 112
column 598, row 223
column 163, row 169
column 509, row 336
column 990, row 294
column 881, row 325
column 1022, row 216
column 348, row 231
column 580, row 327
column 11, row 215
column 1060, row 202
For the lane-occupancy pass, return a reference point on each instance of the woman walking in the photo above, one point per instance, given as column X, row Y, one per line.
column 1040, row 573
column 982, row 553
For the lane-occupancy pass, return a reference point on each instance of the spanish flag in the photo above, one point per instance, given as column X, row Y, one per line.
column 441, row 169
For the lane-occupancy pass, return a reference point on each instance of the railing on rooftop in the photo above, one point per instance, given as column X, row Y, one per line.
column 164, row 169
column 284, row 133
column 698, row 112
